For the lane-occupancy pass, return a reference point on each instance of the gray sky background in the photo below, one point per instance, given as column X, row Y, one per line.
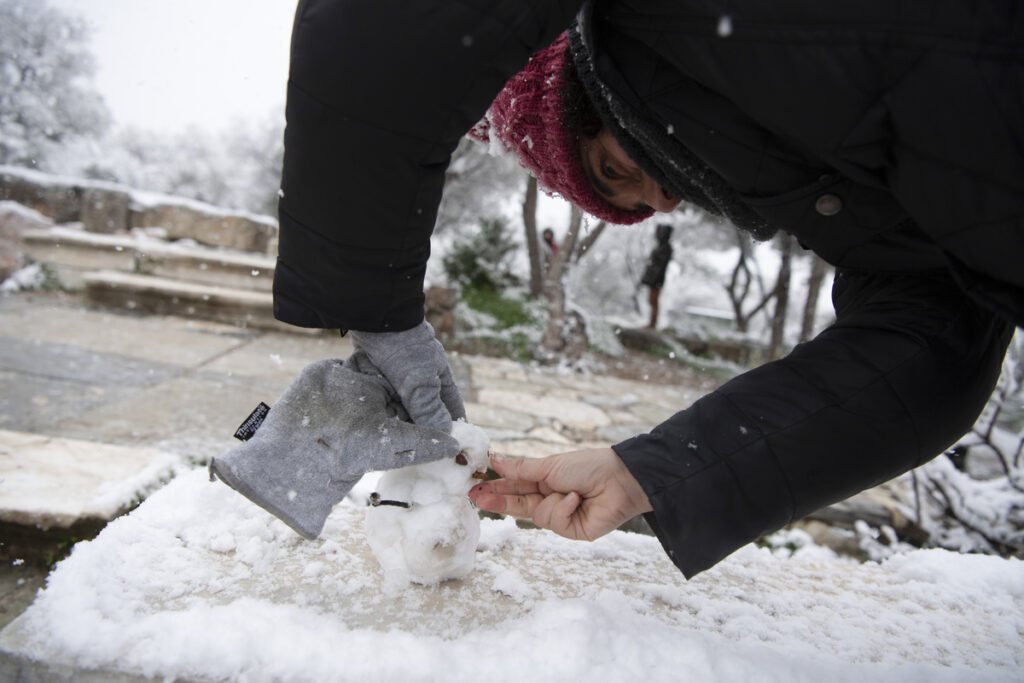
column 168, row 64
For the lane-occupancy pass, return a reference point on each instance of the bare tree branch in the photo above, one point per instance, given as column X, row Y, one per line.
column 589, row 241
column 530, row 226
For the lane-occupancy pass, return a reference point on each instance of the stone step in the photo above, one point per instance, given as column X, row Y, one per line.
column 72, row 253
column 54, row 490
column 164, row 296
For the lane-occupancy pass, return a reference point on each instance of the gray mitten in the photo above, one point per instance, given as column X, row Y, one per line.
column 336, row 421
column 414, row 362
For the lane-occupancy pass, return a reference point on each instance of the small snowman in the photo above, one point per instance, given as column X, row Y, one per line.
column 421, row 525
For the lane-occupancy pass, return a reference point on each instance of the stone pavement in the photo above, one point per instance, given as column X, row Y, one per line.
column 141, row 398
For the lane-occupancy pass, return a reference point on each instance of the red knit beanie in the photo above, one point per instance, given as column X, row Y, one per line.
column 525, row 118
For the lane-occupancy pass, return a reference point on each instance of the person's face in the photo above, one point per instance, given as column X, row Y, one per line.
column 615, row 177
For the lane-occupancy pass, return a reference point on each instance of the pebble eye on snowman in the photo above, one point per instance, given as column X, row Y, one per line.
column 421, row 525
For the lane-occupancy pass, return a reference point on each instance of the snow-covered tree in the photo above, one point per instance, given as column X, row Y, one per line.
column 741, row 281
column 477, row 185
column 258, row 150
column 238, row 168
column 46, row 93
column 565, row 332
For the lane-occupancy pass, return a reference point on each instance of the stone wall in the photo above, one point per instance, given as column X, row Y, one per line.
column 61, row 201
column 109, row 208
column 15, row 220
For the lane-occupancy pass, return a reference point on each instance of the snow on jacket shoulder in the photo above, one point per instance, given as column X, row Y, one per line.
column 379, row 94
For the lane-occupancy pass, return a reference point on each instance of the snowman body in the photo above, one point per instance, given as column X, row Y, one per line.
column 425, row 529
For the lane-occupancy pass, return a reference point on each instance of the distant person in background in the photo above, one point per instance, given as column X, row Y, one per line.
column 657, row 264
column 552, row 248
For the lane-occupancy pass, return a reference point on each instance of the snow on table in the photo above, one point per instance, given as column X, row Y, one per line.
column 200, row 584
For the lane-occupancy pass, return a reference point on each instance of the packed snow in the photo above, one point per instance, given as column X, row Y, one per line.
column 424, row 529
column 197, row 583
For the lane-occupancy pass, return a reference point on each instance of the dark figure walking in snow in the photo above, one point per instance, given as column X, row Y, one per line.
column 886, row 135
column 654, row 273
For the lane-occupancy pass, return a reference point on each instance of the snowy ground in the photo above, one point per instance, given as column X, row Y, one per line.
column 200, row 584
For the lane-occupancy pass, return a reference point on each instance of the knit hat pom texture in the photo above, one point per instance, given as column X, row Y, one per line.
column 526, row 119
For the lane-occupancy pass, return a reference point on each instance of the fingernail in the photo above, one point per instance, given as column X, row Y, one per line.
column 498, row 457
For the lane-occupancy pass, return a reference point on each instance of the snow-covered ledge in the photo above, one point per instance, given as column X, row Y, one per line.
column 198, row 584
column 106, row 207
column 50, row 482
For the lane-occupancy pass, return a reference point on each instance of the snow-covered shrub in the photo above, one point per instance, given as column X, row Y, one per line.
column 31, row 277
column 483, row 260
column 498, row 323
column 505, row 310
column 603, row 335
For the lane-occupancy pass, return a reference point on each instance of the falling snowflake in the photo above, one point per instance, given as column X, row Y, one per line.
column 725, row 26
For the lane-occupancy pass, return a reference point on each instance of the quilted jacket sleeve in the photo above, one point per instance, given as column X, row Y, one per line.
column 379, row 94
column 902, row 374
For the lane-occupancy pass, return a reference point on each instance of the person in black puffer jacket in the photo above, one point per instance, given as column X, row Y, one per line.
column 654, row 273
column 886, row 135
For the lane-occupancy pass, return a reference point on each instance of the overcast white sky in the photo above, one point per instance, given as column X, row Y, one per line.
column 166, row 64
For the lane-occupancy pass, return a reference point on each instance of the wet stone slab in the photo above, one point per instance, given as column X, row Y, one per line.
column 85, row 366
column 184, row 411
column 499, row 418
column 44, row 404
column 573, row 413
column 159, row 339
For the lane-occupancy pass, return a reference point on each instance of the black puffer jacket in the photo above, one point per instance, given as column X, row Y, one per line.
column 657, row 264
column 886, row 135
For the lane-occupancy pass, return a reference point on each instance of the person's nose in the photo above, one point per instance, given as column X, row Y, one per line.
column 657, row 197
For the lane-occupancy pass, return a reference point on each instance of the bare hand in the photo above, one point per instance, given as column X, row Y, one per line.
column 581, row 495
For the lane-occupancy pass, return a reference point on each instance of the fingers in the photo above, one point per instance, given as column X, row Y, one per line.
column 509, row 496
column 506, row 487
column 521, row 469
column 517, row 505
column 581, row 495
column 518, row 492
column 557, row 512
column 523, row 492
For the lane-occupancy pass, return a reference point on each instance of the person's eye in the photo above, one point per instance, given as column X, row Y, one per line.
column 609, row 171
